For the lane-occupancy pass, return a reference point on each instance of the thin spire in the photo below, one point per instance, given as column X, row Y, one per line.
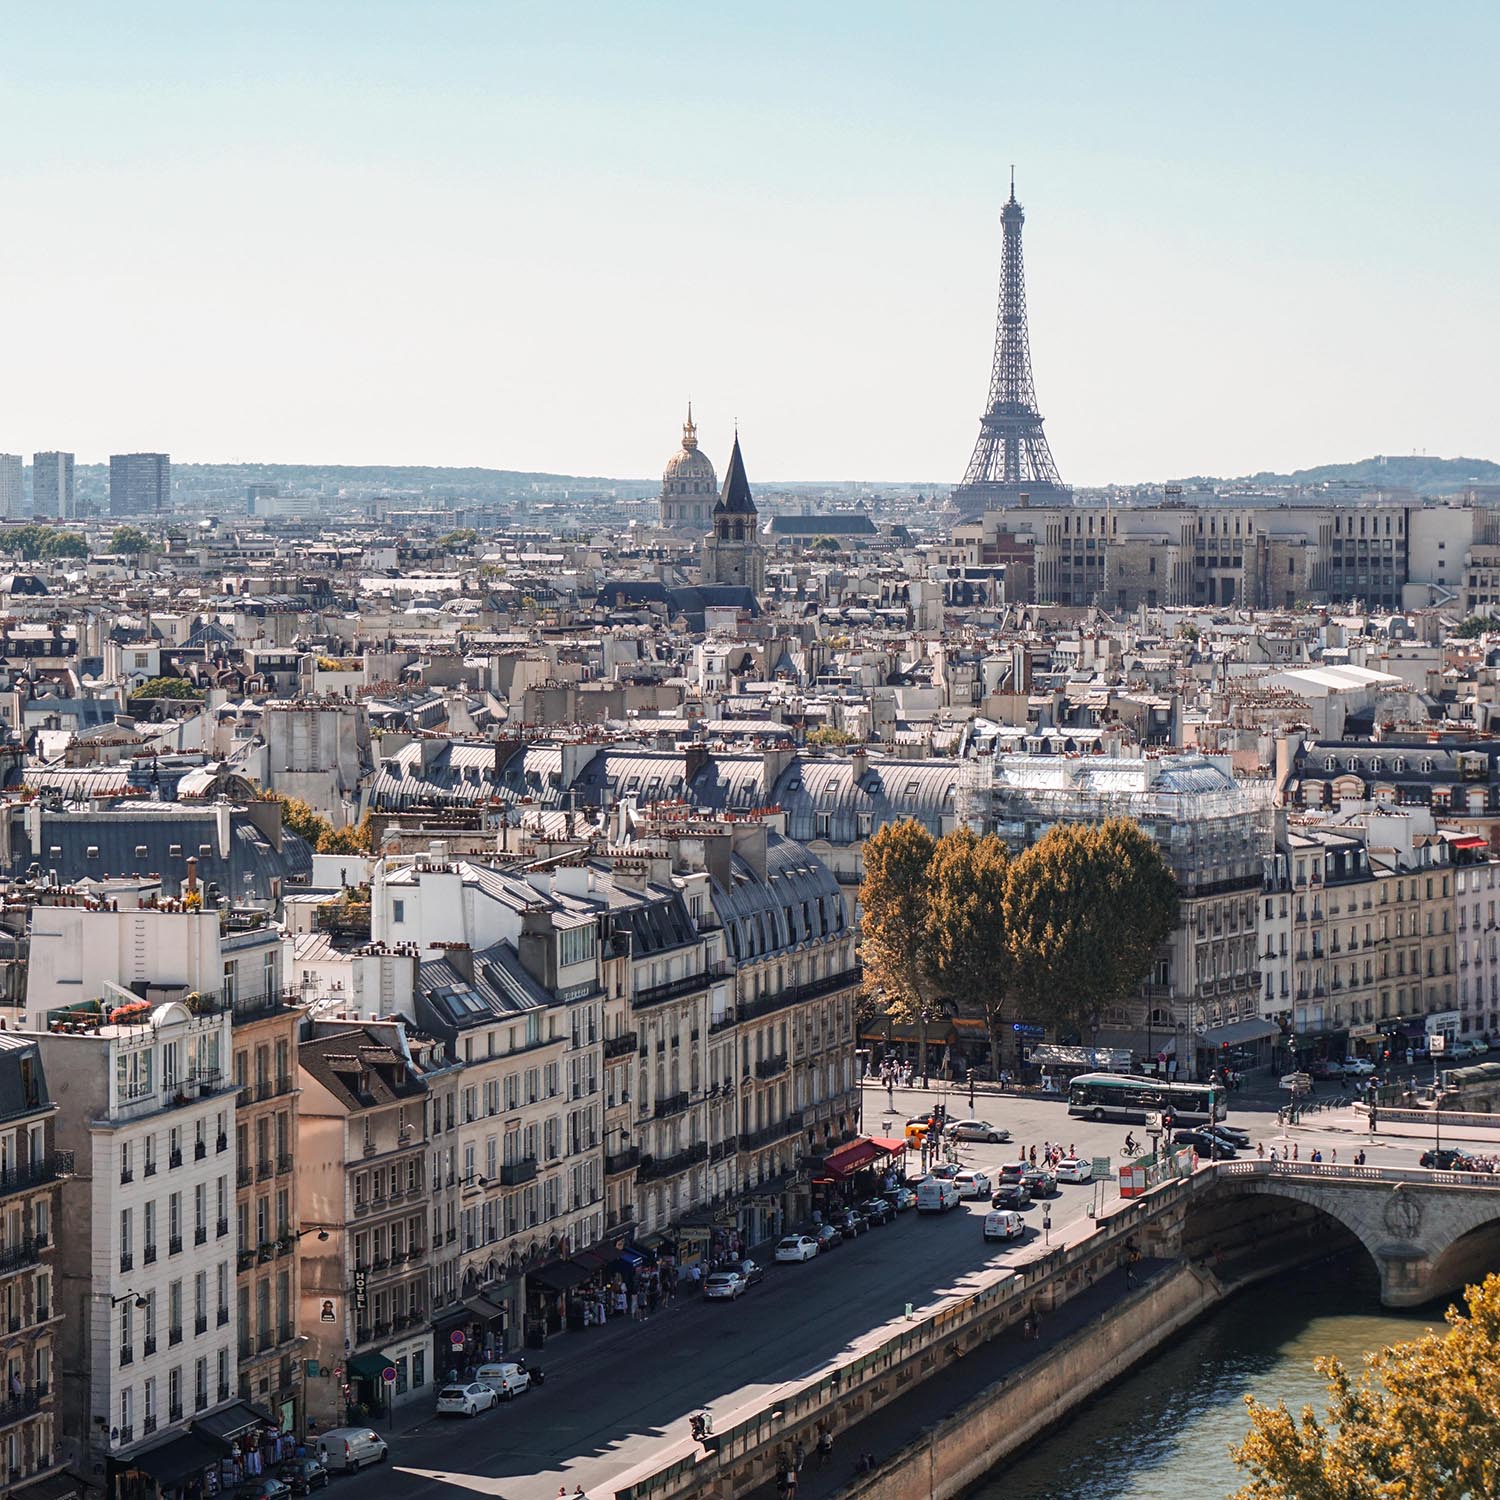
column 689, row 432
column 1013, row 182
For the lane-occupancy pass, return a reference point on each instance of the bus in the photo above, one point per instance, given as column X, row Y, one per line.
column 1121, row 1096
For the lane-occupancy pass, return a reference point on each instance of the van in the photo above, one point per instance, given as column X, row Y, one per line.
column 345, row 1449
column 936, row 1195
column 1003, row 1224
column 506, row 1380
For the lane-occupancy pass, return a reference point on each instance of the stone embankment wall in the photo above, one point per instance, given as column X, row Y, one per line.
column 1002, row 1418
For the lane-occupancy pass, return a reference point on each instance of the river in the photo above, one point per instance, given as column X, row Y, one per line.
column 1163, row 1432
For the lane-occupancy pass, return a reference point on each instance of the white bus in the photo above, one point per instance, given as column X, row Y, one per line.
column 1122, row 1096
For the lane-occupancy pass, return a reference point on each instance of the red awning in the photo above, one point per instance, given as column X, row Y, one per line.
column 1471, row 841
column 848, row 1160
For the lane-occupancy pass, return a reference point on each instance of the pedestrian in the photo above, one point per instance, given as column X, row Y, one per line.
column 1273, row 1156
column 791, row 1484
column 578, row 1492
column 825, row 1446
column 1335, row 1161
column 562, row 1492
column 1260, row 1150
column 799, row 1457
column 1296, row 1151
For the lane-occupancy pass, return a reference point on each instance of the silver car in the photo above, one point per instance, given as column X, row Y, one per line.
column 978, row 1130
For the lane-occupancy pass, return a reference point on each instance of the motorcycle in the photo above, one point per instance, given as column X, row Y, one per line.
column 701, row 1423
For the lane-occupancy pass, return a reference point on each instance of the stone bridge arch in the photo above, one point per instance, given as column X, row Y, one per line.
column 1425, row 1232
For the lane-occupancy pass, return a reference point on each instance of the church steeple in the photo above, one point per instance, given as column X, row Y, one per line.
column 689, row 432
column 735, row 498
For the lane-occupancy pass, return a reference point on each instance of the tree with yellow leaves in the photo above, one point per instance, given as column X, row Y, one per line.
column 1422, row 1422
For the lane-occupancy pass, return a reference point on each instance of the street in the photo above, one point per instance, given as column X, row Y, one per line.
column 616, row 1397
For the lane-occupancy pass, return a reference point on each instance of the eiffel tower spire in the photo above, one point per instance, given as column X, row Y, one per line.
column 1011, row 458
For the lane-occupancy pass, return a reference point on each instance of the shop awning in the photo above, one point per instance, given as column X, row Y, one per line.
column 1237, row 1033
column 177, row 1459
column 62, row 1486
column 557, row 1276
column 233, row 1420
column 849, row 1159
column 370, row 1366
column 629, row 1257
column 483, row 1308
column 591, row 1261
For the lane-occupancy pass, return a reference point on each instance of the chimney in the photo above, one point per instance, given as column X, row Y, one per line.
column 859, row 762
column 192, row 874
column 695, row 757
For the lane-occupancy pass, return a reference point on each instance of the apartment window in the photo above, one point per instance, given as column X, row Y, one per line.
column 200, row 1383
column 398, row 912
column 174, row 1392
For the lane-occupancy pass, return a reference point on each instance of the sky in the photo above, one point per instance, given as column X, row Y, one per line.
column 1258, row 236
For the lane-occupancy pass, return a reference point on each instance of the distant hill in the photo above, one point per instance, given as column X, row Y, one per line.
column 1426, row 475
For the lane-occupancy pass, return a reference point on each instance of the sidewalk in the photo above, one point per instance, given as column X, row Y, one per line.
column 900, row 1423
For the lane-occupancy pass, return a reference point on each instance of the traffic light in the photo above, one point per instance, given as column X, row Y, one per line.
column 969, row 1076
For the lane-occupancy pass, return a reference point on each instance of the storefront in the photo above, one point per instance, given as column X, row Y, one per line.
column 482, row 1325
column 547, row 1290
column 214, row 1457
column 1237, row 1047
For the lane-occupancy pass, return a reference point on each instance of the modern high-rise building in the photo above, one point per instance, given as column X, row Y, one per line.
column 139, row 483
column 11, row 491
column 52, row 485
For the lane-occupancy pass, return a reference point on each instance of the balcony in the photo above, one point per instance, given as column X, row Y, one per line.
column 174, row 1245
column 222, row 1144
column 17, row 1257
column 622, row 1045
column 126, row 1435
column 127, row 1260
column 174, row 1413
column 513, row 1173
column 244, row 1260
column 174, row 1157
column 126, row 1176
column 32, row 1174
column 283, row 1163
column 223, row 1317
column 200, row 1235
column 674, row 1104
column 792, row 1125
column 622, row 1161
column 771, row 1067
column 174, row 1336
column 148, row 1255
column 264, row 1170
column 200, row 1150
column 764, row 1005
column 244, row 1174
column 653, row 1168
column 221, row 1228
column 200, row 1324
column 673, row 989
column 149, row 1348
column 127, row 1355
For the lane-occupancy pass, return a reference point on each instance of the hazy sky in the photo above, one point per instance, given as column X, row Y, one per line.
column 1258, row 235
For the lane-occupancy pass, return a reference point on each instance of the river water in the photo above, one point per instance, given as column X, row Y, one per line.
column 1163, row 1432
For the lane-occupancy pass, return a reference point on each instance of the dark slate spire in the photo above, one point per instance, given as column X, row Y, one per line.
column 735, row 498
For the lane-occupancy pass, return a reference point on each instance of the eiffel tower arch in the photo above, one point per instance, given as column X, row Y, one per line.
column 1011, row 460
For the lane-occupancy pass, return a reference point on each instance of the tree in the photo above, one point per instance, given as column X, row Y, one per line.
column 165, row 687
column 32, row 541
column 464, row 536
column 297, row 817
column 826, row 734
column 893, row 931
column 1086, row 908
column 353, row 838
column 1422, row 1421
column 64, row 544
column 129, row 541
column 968, row 953
column 1471, row 629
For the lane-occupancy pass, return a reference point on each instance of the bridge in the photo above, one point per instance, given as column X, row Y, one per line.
column 1427, row 1232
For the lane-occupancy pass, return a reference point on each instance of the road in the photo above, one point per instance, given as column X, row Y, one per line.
column 616, row 1397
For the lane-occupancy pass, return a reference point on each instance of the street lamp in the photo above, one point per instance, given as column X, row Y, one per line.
column 140, row 1302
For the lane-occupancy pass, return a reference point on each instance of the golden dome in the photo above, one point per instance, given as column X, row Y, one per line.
column 689, row 467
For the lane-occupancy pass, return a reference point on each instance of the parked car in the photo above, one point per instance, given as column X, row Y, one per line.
column 978, row 1130
column 1205, row 1144
column 1040, row 1181
column 1443, row 1161
column 827, row 1236
column 852, row 1222
column 1074, row 1169
column 304, row 1475
column 751, row 1271
column 794, row 1247
column 901, row 1198
column 878, row 1211
column 1362, row 1067
column 1003, row 1224
column 1013, row 1171
column 946, row 1169
column 465, row 1400
column 349, row 1448
column 263, row 1487
column 1325, row 1067
column 971, row 1184
column 1011, row 1195
column 506, row 1379
column 936, row 1195
column 1460, row 1050
column 725, row 1286
column 1231, row 1135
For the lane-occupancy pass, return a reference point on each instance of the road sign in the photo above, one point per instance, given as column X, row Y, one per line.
column 1101, row 1171
column 1298, row 1083
column 1437, row 1043
column 389, row 1374
column 456, row 1338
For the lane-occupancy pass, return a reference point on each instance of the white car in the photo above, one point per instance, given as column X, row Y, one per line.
column 795, row 1247
column 1074, row 1169
column 465, row 1400
column 1358, row 1067
column 1004, row 1224
column 978, row 1130
column 506, row 1379
column 972, row 1184
column 725, row 1285
column 344, row 1450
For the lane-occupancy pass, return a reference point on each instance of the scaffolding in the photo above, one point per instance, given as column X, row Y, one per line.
column 1212, row 829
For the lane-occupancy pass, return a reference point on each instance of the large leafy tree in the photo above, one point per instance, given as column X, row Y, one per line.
column 968, row 954
column 1086, row 908
column 895, row 899
column 1422, row 1422
column 302, row 819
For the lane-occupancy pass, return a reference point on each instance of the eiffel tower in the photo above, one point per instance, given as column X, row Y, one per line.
column 1011, row 460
